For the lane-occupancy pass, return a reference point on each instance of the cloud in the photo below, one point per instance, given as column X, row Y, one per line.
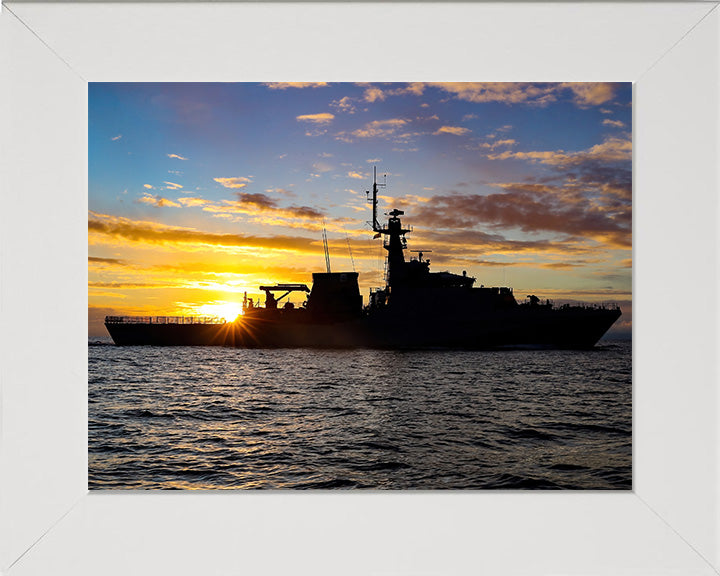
column 616, row 123
column 612, row 149
column 153, row 233
column 261, row 203
column 235, row 182
column 467, row 244
column 321, row 118
column 591, row 93
column 561, row 265
column 493, row 145
column 584, row 195
column 158, row 201
column 322, row 167
column 414, row 88
column 455, row 130
column 148, row 186
column 173, row 186
column 381, row 128
column 507, row 92
column 259, row 200
column 190, row 202
column 282, row 191
column 176, row 156
column 125, row 285
column 345, row 104
column 115, row 138
column 583, row 94
column 357, row 175
column 255, row 205
column 286, row 85
column 373, row 94
column 303, row 212
column 577, row 211
column 529, row 251
column 106, row 261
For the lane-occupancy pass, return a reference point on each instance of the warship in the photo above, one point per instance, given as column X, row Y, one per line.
column 416, row 309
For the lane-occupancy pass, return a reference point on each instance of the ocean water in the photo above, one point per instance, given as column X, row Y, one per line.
column 225, row 418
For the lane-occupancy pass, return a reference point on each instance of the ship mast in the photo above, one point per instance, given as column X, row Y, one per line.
column 375, row 224
column 395, row 243
column 327, row 252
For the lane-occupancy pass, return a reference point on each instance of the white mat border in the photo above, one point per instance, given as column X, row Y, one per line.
column 669, row 50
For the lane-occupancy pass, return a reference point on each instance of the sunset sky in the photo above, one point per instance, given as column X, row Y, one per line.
column 200, row 192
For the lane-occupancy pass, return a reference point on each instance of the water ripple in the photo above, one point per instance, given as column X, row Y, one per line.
column 209, row 418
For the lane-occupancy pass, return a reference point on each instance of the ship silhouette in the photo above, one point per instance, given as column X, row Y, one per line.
column 416, row 309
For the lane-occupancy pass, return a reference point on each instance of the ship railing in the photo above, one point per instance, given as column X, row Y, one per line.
column 386, row 228
column 163, row 320
column 592, row 306
column 603, row 305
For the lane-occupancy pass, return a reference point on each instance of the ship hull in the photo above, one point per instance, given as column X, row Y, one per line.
column 577, row 328
column 513, row 328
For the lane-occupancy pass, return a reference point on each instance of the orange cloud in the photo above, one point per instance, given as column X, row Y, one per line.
column 381, row 128
column 475, row 241
column 190, row 202
column 286, row 85
column 154, row 233
column 584, row 94
column 455, row 130
column 176, row 156
column 253, row 204
column 373, row 94
column 508, row 92
column 158, row 201
column 345, row 104
column 611, row 150
column 591, row 93
column 106, row 261
column 534, row 208
column 236, row 182
column 494, row 144
column 615, row 123
column 125, row 285
column 321, row 118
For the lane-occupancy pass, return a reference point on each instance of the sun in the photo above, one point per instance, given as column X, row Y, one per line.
column 222, row 309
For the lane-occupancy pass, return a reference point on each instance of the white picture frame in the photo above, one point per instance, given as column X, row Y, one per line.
column 668, row 524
